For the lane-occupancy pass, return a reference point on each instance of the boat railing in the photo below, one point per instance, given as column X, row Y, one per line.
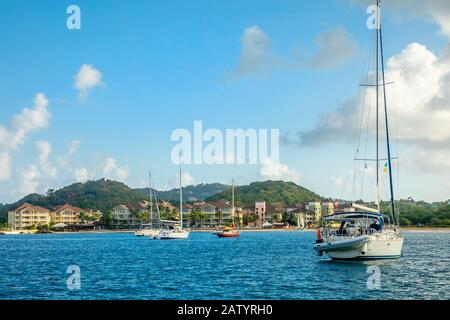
column 348, row 233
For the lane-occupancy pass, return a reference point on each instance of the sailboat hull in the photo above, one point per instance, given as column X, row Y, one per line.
column 375, row 248
column 147, row 233
column 173, row 235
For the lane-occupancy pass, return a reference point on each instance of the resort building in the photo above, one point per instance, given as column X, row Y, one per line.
column 327, row 208
column 260, row 212
column 28, row 215
column 128, row 214
column 315, row 208
column 66, row 214
column 212, row 213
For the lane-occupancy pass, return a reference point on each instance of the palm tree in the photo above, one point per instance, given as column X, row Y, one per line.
column 84, row 217
column 220, row 213
column 134, row 214
column 107, row 219
column 202, row 216
column 144, row 216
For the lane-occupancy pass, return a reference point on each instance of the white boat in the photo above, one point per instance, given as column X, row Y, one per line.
column 12, row 232
column 173, row 234
column 358, row 237
column 365, row 234
column 149, row 230
column 176, row 233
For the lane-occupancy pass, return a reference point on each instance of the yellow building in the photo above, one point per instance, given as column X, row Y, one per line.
column 66, row 214
column 327, row 208
column 315, row 207
column 28, row 215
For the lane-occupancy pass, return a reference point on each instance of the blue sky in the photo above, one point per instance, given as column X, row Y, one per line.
column 165, row 64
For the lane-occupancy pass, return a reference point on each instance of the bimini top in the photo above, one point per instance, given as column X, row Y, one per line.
column 353, row 215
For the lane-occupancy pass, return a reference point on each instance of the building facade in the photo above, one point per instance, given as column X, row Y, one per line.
column 27, row 215
column 128, row 214
column 66, row 214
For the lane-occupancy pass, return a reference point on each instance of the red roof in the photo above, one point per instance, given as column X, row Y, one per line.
column 29, row 206
column 68, row 206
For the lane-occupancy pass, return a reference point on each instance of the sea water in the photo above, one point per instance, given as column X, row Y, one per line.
column 257, row 265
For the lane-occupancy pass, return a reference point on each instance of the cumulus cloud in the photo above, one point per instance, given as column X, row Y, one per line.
column 29, row 179
column 87, row 79
column 186, row 180
column 5, row 166
column 422, row 106
column 255, row 51
column 22, row 124
column 273, row 170
column 27, row 121
column 335, row 47
column 43, row 149
column 437, row 11
column 65, row 159
column 81, row 175
column 114, row 171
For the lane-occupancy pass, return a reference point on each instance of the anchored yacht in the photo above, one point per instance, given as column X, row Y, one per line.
column 364, row 232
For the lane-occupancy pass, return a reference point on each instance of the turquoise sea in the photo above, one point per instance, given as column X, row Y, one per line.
column 258, row 265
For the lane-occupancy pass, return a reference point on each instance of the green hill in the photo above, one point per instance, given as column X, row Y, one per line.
column 271, row 191
column 190, row 193
column 98, row 195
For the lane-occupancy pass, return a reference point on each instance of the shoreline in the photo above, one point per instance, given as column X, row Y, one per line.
column 410, row 229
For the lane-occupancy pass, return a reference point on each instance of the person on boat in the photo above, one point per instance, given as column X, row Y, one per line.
column 342, row 230
column 375, row 225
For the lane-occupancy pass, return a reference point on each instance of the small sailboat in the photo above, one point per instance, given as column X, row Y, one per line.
column 363, row 232
column 229, row 232
column 148, row 230
column 176, row 233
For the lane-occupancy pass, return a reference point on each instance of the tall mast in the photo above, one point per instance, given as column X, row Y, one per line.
column 232, row 200
column 377, row 85
column 391, row 185
column 151, row 198
column 181, row 199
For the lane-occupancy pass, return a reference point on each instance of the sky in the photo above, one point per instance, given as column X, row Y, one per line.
column 104, row 100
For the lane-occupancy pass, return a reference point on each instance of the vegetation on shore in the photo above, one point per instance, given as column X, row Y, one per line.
column 287, row 193
column 105, row 194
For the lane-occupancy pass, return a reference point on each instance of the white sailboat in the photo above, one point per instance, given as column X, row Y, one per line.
column 148, row 230
column 363, row 232
column 177, row 233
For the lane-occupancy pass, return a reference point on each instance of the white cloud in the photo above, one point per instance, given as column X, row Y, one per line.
column 336, row 47
column 27, row 121
column 44, row 149
column 81, row 175
column 114, row 171
column 426, row 160
column 29, row 179
column 422, row 103
column 255, row 56
column 23, row 123
column 277, row 171
column 187, row 179
column 66, row 158
column 87, row 79
column 5, row 166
